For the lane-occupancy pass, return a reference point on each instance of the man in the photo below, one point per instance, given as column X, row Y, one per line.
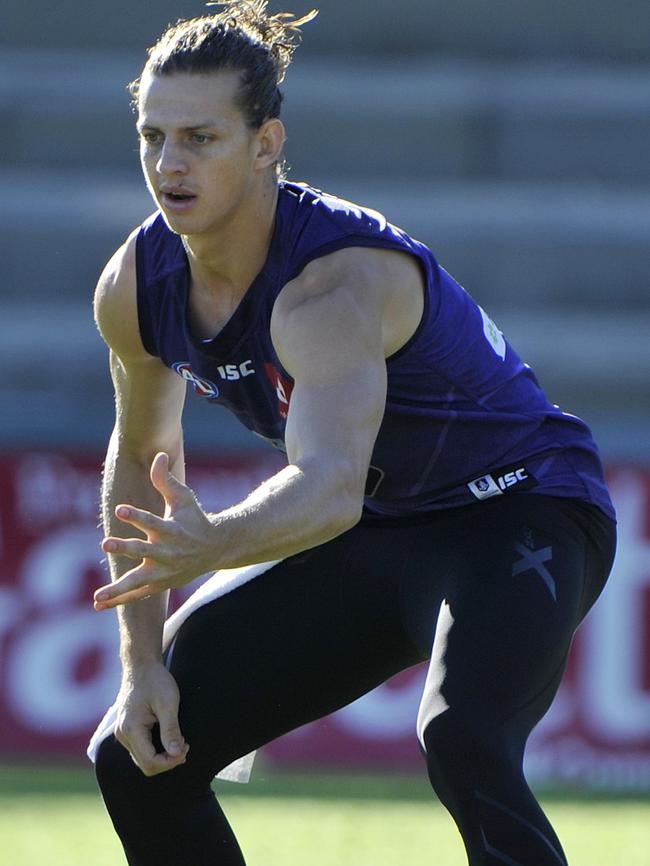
column 434, row 505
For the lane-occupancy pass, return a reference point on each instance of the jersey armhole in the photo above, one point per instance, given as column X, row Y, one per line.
column 429, row 279
column 145, row 323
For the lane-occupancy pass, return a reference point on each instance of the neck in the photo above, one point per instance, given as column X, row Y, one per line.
column 227, row 260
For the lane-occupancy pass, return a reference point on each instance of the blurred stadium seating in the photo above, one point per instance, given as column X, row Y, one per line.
column 513, row 142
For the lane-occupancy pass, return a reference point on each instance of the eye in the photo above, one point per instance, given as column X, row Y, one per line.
column 200, row 138
column 150, row 137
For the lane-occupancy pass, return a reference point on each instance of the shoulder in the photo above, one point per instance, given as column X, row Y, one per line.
column 324, row 207
column 358, row 290
column 371, row 272
column 115, row 301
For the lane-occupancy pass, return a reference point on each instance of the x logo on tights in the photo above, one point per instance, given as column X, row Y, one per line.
column 535, row 559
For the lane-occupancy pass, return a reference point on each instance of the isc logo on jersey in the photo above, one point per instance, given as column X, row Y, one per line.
column 487, row 486
column 232, row 372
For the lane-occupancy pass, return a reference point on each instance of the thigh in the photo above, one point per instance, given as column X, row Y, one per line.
column 517, row 576
column 294, row 644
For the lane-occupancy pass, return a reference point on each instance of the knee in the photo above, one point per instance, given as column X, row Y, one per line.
column 447, row 730
column 463, row 747
column 136, row 804
column 121, row 782
column 445, row 739
column 133, row 801
column 114, row 769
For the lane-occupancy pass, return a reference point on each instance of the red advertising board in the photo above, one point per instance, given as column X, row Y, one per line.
column 59, row 667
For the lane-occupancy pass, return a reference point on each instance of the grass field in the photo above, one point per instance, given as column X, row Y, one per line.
column 54, row 815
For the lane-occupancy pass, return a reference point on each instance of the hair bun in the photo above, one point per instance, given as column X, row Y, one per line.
column 280, row 32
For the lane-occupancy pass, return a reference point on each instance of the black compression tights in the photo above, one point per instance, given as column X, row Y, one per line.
column 501, row 585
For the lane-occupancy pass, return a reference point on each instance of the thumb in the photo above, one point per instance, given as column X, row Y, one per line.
column 170, row 733
column 162, row 479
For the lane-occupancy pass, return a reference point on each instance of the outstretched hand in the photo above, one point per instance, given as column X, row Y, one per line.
column 179, row 546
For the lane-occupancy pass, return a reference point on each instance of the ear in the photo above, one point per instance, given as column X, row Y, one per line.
column 270, row 140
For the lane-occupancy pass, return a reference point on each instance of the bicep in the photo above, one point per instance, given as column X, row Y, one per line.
column 331, row 344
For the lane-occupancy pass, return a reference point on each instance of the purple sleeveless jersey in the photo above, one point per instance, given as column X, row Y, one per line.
column 465, row 418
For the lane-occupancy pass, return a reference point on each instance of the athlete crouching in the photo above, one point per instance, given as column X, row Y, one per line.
column 435, row 505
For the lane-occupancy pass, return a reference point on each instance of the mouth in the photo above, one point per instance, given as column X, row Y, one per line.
column 177, row 201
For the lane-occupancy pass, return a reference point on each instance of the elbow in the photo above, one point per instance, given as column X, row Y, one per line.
column 342, row 495
column 132, row 446
column 346, row 515
column 351, row 508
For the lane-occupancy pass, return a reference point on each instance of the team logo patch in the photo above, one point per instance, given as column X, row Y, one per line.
column 484, row 487
column 203, row 387
column 502, row 481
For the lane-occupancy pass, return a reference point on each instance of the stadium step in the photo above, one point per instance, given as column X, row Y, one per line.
column 590, row 29
column 529, row 245
column 62, row 392
column 426, row 120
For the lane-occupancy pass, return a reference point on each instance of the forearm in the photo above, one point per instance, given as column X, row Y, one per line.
column 126, row 479
column 296, row 509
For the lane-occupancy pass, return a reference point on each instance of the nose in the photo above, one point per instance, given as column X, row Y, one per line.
column 171, row 160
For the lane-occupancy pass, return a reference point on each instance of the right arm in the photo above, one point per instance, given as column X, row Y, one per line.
column 148, row 406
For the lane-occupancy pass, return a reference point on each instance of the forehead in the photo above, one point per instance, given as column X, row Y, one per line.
column 187, row 99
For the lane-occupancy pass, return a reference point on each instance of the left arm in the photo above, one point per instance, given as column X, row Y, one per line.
column 329, row 332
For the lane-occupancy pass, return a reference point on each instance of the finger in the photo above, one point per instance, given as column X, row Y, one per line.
column 134, row 548
column 127, row 597
column 161, row 763
column 138, row 579
column 141, row 519
column 107, row 597
column 144, row 755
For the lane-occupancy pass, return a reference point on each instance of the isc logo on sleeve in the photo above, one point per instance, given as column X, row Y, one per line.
column 501, row 482
column 493, row 335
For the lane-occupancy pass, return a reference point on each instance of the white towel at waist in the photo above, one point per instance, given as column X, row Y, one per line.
column 219, row 584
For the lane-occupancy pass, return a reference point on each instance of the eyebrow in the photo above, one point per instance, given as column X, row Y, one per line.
column 209, row 124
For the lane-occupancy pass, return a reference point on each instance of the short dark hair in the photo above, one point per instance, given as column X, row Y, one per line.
column 241, row 38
